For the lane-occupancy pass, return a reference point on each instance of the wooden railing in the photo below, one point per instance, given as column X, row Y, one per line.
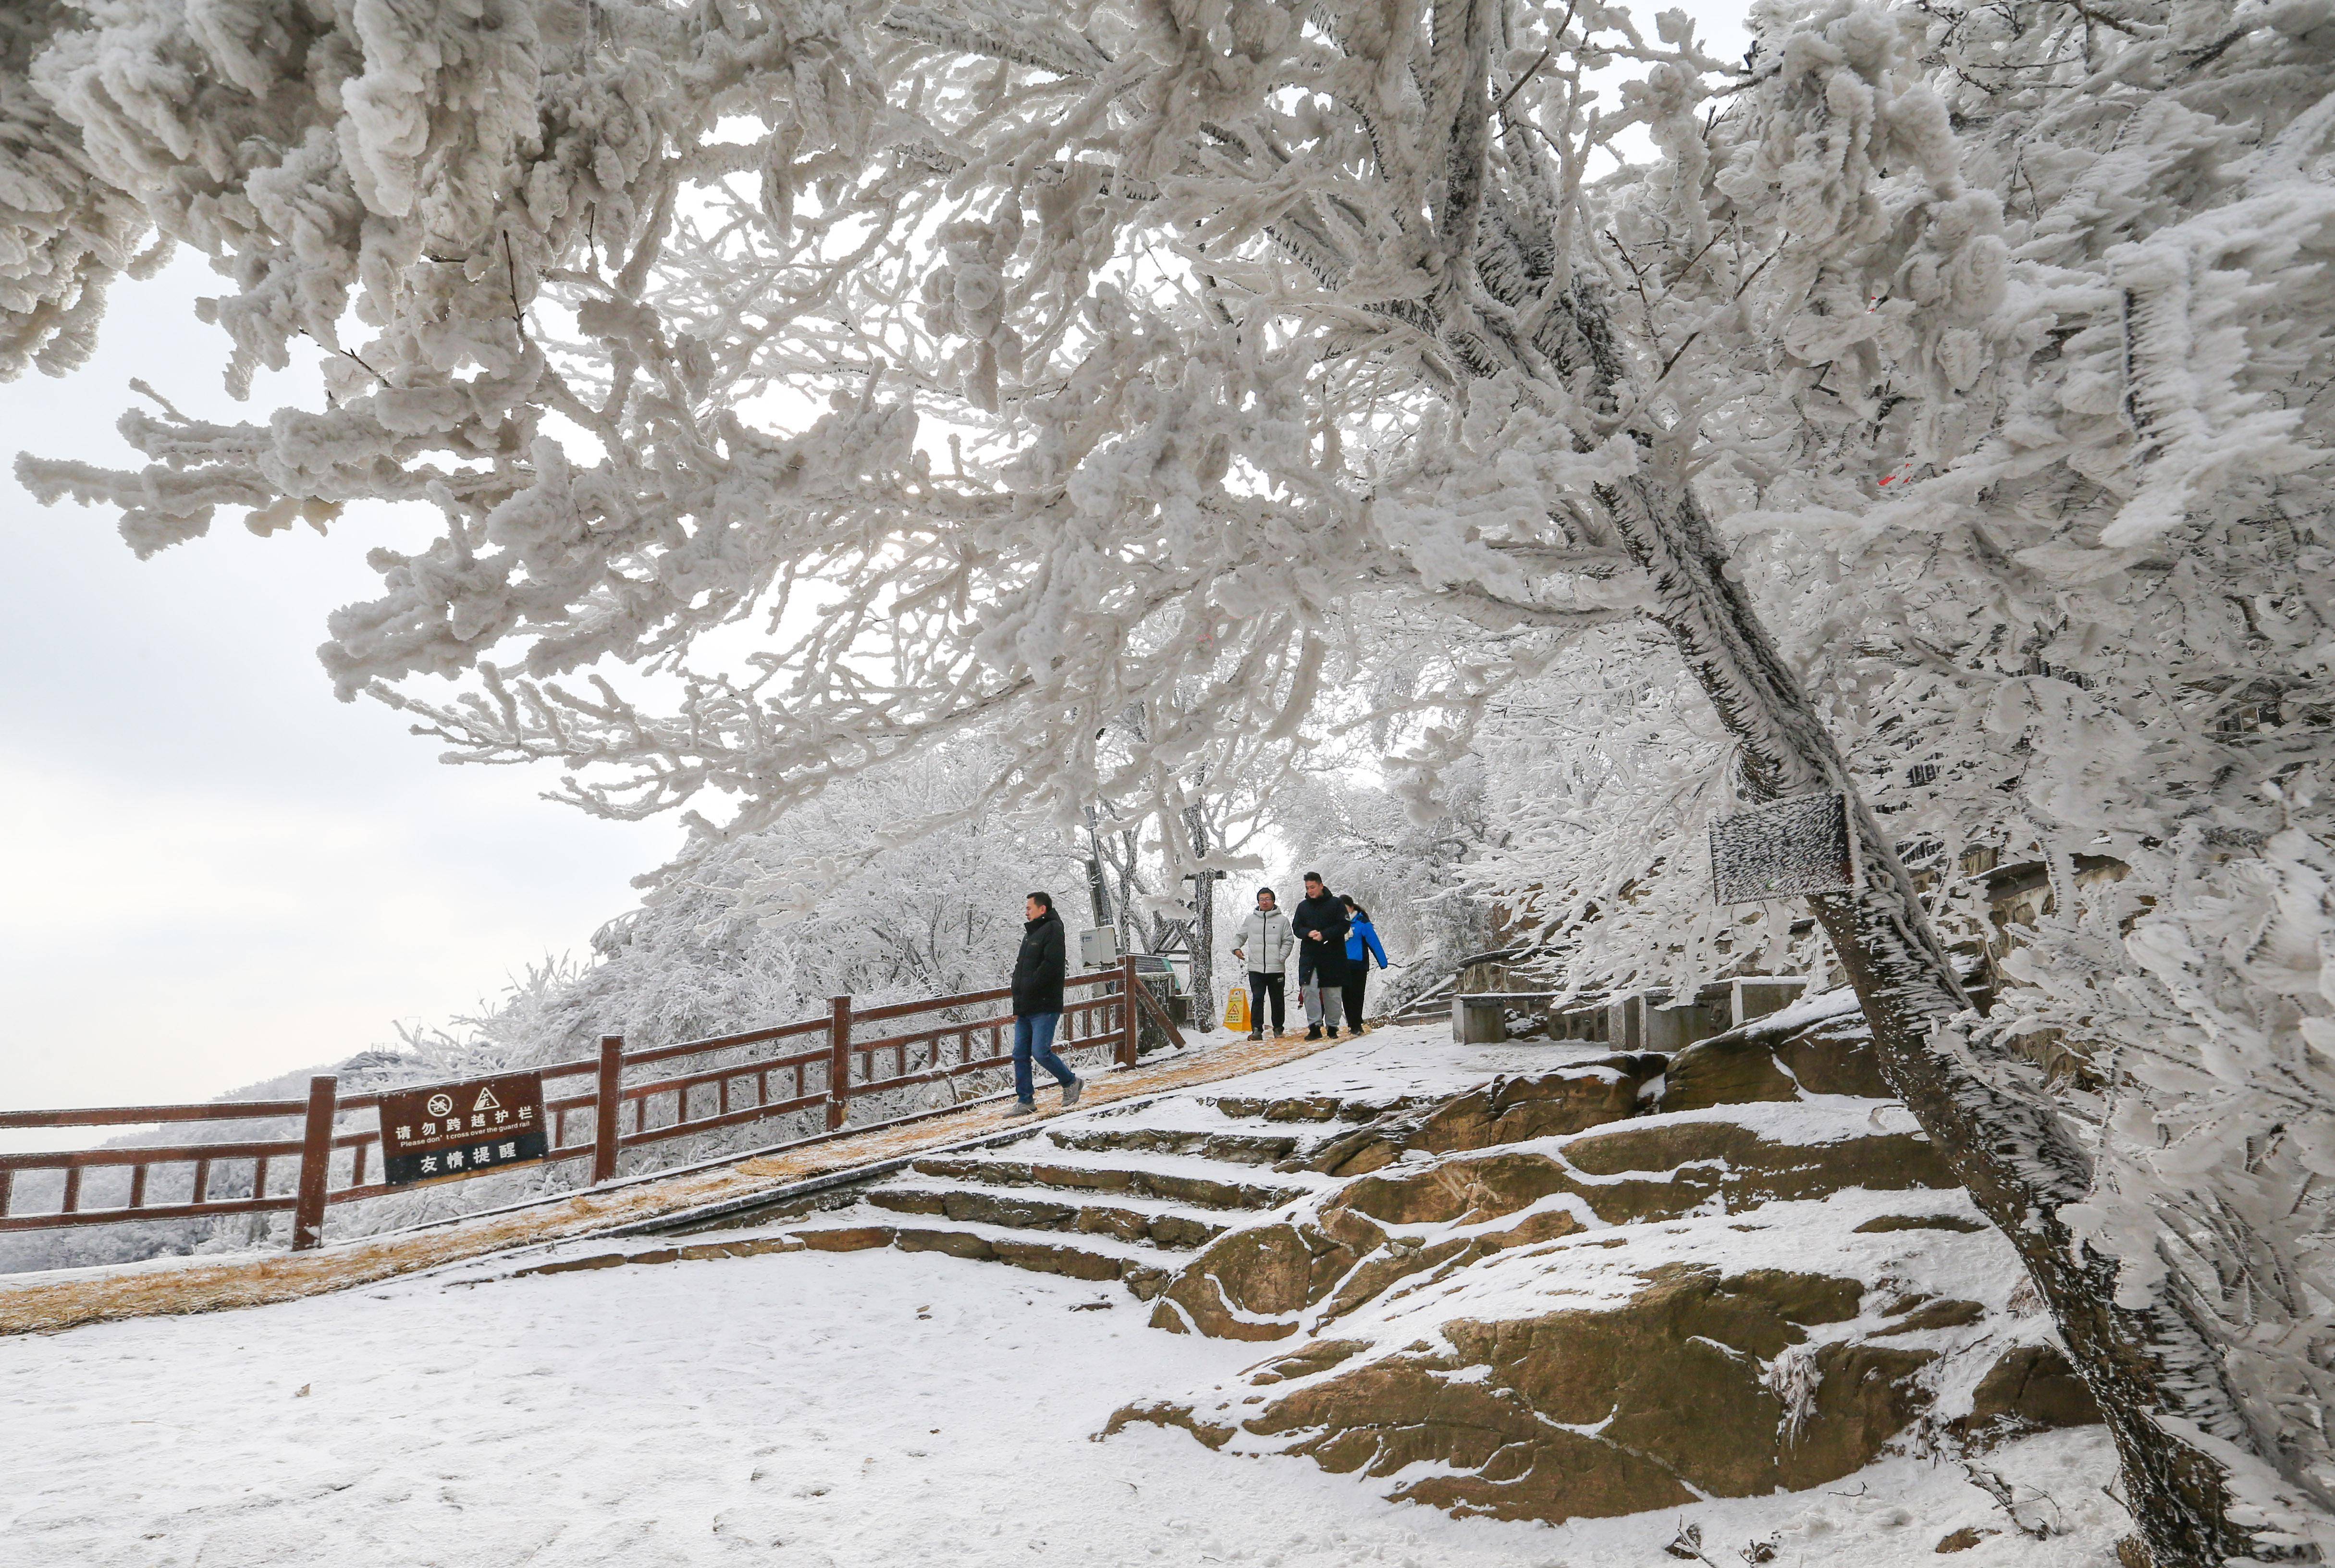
column 830, row 1067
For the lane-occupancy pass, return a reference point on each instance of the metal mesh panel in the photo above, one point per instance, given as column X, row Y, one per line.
column 1789, row 849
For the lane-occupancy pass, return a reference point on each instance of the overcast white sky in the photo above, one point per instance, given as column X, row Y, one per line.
column 210, row 871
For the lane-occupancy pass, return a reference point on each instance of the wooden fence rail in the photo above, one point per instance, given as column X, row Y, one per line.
column 830, row 1067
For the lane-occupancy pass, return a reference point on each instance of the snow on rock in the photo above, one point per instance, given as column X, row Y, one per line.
column 1538, row 1303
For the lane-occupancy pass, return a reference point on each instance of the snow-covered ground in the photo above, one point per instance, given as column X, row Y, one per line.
column 1411, row 1059
column 805, row 1409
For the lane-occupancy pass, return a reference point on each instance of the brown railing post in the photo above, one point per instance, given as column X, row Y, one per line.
column 839, row 1061
column 315, row 1166
column 315, row 1191
column 1127, row 984
column 606, row 1106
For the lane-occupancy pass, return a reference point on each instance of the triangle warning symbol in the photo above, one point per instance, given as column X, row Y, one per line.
column 487, row 1101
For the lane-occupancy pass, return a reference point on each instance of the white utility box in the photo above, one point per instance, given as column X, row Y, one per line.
column 1099, row 948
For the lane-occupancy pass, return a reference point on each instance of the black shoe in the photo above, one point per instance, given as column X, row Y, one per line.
column 1314, row 1032
column 1334, row 1031
column 1256, row 1034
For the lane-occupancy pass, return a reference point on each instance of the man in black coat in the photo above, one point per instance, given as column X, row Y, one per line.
column 1039, row 971
column 1320, row 922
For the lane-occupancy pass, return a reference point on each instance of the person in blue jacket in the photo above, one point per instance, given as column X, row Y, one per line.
column 1362, row 946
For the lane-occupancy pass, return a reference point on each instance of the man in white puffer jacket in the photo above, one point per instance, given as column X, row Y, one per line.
column 1264, row 945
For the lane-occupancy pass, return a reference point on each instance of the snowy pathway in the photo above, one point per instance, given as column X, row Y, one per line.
column 804, row 1409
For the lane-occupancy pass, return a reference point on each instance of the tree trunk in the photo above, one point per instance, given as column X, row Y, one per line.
column 2153, row 1367
column 1121, row 862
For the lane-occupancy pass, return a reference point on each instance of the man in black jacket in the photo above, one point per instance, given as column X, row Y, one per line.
column 1039, row 971
column 1320, row 922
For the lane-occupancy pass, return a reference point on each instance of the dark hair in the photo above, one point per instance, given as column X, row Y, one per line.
column 1268, row 893
column 1044, row 901
column 1315, row 876
column 1360, row 912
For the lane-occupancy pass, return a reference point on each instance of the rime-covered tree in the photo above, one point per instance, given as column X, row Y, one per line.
column 1018, row 366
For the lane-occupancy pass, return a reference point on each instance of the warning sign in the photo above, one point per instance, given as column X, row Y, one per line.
column 450, row 1130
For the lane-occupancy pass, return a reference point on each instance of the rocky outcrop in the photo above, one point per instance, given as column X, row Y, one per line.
column 1544, row 1299
column 2031, row 1387
column 1259, row 1282
column 1507, row 1110
column 1569, row 1413
column 1650, row 1171
column 1758, row 1062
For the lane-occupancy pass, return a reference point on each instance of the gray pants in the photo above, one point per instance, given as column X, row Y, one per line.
column 1324, row 999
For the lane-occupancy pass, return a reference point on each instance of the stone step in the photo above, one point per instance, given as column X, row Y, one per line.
column 1232, row 1148
column 1133, row 1220
column 1197, row 1184
column 1141, row 1269
column 1309, row 1107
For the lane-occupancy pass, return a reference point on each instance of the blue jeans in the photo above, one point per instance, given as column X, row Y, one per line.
column 1036, row 1037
